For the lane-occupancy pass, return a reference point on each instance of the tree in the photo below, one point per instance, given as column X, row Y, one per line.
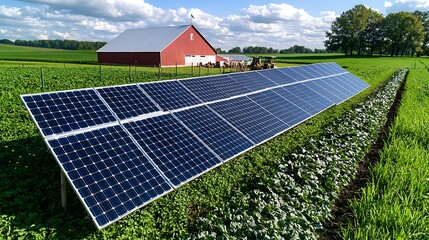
column 372, row 37
column 424, row 17
column 235, row 50
column 404, row 33
column 347, row 30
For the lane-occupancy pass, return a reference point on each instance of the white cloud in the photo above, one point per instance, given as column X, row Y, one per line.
column 272, row 25
column 407, row 5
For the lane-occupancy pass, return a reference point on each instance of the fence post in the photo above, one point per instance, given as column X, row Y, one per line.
column 199, row 69
column 192, row 69
column 101, row 76
column 43, row 80
column 176, row 69
column 159, row 71
column 129, row 73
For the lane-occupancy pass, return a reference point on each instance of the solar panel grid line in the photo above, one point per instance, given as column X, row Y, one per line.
column 173, row 148
column 127, row 101
column 196, row 136
column 64, row 111
column 325, row 90
column 343, row 85
column 169, row 95
column 331, row 86
column 91, row 177
column 234, row 127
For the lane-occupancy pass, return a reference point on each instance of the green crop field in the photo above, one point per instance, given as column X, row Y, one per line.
column 246, row 197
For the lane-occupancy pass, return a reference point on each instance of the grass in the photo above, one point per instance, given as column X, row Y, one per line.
column 395, row 205
column 30, row 189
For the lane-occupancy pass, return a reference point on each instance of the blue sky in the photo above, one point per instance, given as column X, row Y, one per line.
column 224, row 23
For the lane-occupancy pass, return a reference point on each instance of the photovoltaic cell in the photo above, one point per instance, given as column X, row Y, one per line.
column 116, row 169
column 277, row 76
column 292, row 73
column 280, row 107
column 109, row 173
column 170, row 95
column 326, row 90
column 251, row 119
column 127, row 101
column 61, row 112
column 215, row 88
column 216, row 133
column 173, row 148
column 253, row 80
column 304, row 97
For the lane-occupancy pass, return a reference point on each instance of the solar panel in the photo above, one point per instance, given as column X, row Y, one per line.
column 304, row 97
column 215, row 88
column 173, row 148
column 127, row 101
column 252, row 120
column 218, row 134
column 311, row 71
column 283, row 109
column 124, row 146
column 109, row 172
column 291, row 72
column 277, row 76
column 170, row 95
column 326, row 90
column 60, row 112
column 253, row 80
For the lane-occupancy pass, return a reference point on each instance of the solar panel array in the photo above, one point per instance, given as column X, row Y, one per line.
column 122, row 147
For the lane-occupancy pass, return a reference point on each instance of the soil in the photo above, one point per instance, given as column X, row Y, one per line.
column 341, row 212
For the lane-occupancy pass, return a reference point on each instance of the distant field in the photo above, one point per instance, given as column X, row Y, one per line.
column 19, row 53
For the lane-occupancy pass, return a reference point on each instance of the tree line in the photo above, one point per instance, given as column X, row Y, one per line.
column 363, row 31
column 270, row 50
column 57, row 44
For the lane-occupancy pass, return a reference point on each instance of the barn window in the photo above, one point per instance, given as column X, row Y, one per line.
column 192, row 37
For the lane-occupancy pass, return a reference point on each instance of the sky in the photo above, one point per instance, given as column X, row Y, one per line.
column 224, row 23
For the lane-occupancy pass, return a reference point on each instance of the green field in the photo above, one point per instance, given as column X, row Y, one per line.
column 30, row 204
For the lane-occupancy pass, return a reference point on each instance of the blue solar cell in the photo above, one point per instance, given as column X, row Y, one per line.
column 215, row 132
column 170, row 95
column 251, row 119
column 328, row 91
column 253, row 80
column 109, row 172
column 277, row 76
column 214, row 88
column 174, row 149
column 307, row 99
column 280, row 107
column 127, row 101
column 320, row 68
column 360, row 84
column 293, row 73
column 337, row 69
column 338, row 83
column 61, row 112
column 311, row 71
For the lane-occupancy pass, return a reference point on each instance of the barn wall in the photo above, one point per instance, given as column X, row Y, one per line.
column 149, row 59
column 183, row 45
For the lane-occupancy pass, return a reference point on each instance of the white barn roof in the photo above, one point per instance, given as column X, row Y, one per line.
column 235, row 57
column 153, row 39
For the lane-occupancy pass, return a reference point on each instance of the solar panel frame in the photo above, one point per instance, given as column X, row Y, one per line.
column 280, row 107
column 127, row 101
column 258, row 124
column 213, row 130
column 71, row 114
column 169, row 95
column 170, row 156
column 291, row 72
column 259, row 82
column 90, row 173
column 277, row 76
column 214, row 88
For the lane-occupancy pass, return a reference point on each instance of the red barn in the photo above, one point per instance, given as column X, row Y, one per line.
column 165, row 46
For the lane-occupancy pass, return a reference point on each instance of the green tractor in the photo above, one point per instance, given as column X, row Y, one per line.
column 266, row 62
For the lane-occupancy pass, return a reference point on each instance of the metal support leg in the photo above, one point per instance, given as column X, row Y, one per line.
column 63, row 191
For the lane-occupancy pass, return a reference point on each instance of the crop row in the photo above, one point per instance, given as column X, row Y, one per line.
column 292, row 202
column 395, row 204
